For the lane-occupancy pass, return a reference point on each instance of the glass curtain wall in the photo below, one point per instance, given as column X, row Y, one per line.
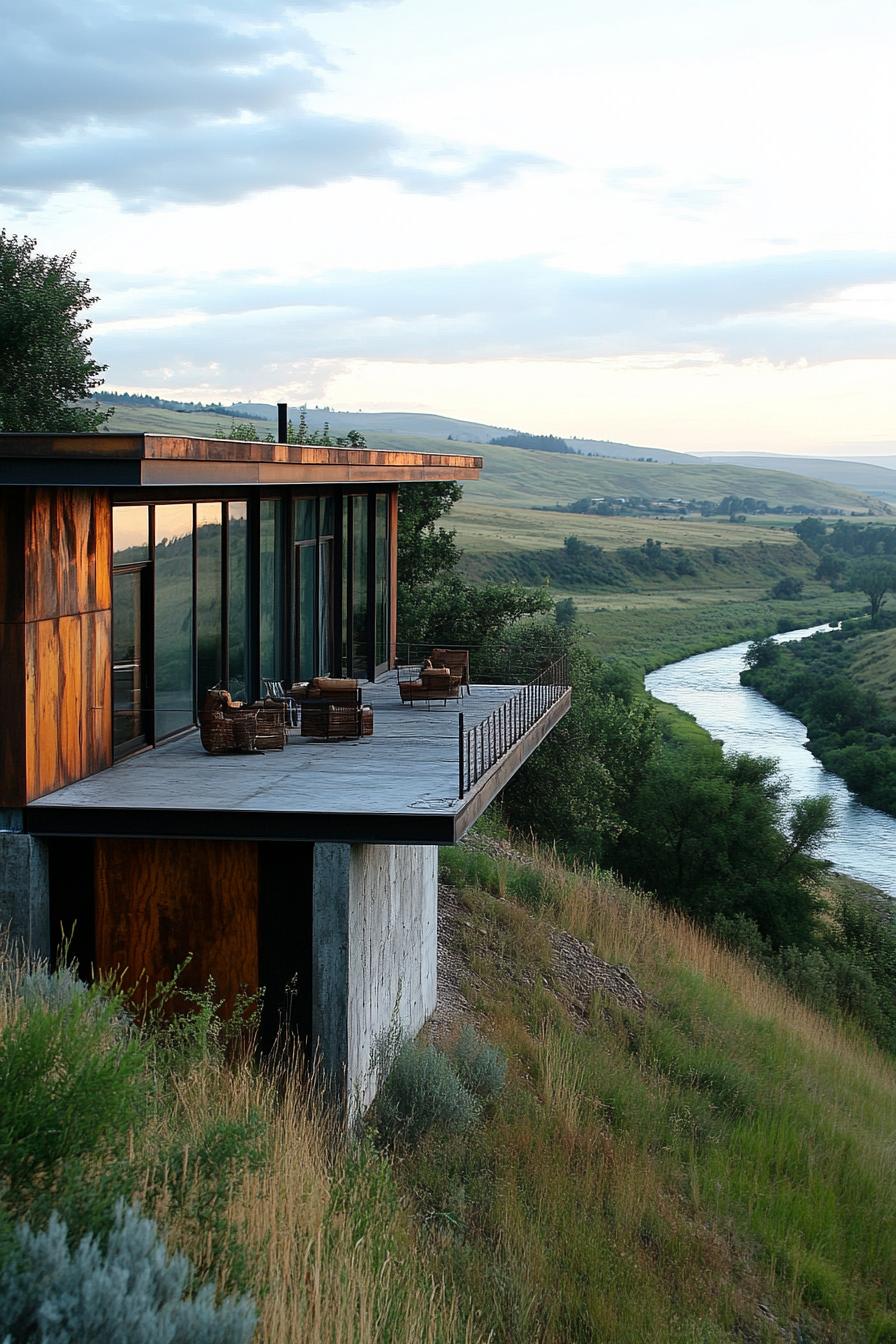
column 130, row 575
column 381, row 584
column 238, row 600
column 173, row 618
column 359, row 572
column 209, row 598
column 271, row 610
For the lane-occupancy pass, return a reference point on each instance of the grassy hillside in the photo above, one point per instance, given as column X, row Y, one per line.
column 681, row 1153
column 515, row 476
column 708, row 1163
column 484, row 529
column 856, row 474
column 873, row 665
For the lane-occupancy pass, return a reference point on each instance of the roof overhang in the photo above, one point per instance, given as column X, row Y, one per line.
column 162, row 461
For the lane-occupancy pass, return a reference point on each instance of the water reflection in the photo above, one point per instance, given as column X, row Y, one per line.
column 863, row 842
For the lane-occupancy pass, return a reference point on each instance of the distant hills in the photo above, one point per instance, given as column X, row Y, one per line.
column 878, row 478
column 598, row 465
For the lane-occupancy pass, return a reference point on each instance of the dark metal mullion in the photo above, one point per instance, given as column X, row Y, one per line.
column 337, row 617
column 289, row 586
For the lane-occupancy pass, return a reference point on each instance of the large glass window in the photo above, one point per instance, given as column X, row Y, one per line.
column 209, row 598
column 359, row 560
column 237, row 600
column 128, row 685
column 270, row 633
column 381, row 637
column 130, row 534
column 173, row 554
column 306, row 609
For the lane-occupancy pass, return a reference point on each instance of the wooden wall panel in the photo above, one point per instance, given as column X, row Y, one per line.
column 158, row 901
column 68, row 553
column 96, row 679
column 56, row 687
column 12, row 714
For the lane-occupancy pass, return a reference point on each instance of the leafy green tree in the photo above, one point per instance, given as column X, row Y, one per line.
column 812, row 531
column 875, row 578
column 425, row 550
column 710, row 834
column 46, row 363
column 787, row 588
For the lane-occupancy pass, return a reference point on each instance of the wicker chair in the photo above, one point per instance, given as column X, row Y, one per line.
column 227, row 726
column 458, row 663
column 433, row 683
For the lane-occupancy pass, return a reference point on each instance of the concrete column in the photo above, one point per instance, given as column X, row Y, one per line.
column 375, row 934
column 24, row 887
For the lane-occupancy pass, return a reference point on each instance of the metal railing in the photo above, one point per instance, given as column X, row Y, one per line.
column 482, row 746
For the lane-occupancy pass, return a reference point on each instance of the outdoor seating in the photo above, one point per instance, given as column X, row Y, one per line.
column 228, row 727
column 458, row 663
column 273, row 690
column 432, row 684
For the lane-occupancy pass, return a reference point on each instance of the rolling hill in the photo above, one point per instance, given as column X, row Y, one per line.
column 521, row 478
column 875, row 477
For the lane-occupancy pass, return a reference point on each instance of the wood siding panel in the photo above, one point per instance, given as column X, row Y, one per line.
column 67, row 700
column 159, row 901
column 96, row 679
column 12, row 715
column 68, row 553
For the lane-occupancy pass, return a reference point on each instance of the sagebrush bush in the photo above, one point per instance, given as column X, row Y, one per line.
column 133, row 1292
column 422, row 1091
column 481, row 1067
column 72, row 1086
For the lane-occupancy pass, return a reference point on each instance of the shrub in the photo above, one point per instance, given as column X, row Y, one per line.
column 133, row 1293
column 482, row 1068
column 422, row 1091
column 72, row 1085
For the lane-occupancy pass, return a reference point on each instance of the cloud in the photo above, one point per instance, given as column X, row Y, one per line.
column 190, row 103
column 250, row 324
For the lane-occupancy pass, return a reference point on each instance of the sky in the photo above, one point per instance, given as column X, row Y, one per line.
column 670, row 225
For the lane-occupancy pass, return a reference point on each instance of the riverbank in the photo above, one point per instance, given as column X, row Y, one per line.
column 824, row 681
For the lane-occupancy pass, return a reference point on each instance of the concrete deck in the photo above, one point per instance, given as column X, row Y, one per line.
column 398, row 786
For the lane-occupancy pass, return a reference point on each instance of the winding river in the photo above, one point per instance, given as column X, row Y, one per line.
column 863, row 841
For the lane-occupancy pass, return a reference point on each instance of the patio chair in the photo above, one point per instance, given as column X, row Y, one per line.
column 458, row 663
column 273, row 690
column 432, row 684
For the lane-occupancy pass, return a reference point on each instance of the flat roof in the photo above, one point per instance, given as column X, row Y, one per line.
column 129, row 460
column 399, row 786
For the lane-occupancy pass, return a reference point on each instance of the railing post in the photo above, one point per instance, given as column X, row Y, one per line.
column 460, row 755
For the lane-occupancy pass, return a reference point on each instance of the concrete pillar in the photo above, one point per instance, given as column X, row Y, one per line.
column 374, row 956
column 24, row 887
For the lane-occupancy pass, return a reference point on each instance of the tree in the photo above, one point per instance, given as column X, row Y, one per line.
column 46, row 363
column 425, row 551
column 875, row 578
column 787, row 588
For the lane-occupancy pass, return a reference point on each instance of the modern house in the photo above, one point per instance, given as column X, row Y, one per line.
column 138, row 570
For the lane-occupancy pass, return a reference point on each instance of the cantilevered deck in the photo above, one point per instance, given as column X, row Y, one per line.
column 399, row 786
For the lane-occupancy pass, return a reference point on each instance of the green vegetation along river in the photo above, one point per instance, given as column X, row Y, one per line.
column 863, row 840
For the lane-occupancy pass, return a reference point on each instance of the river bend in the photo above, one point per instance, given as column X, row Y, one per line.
column 863, row 841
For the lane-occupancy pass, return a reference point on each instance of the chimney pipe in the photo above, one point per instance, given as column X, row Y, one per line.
column 282, row 422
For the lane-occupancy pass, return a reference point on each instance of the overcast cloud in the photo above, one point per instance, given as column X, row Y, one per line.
column 184, row 103
column 242, row 327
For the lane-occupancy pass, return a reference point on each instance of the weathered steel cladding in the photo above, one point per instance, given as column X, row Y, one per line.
column 55, row 639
